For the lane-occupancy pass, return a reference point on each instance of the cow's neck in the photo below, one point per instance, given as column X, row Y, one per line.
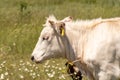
column 76, row 43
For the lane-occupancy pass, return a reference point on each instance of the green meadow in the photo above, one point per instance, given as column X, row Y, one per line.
column 20, row 26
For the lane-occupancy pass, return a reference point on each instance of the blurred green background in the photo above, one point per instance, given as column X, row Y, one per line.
column 21, row 23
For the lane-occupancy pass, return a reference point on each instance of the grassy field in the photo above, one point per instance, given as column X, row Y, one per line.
column 21, row 23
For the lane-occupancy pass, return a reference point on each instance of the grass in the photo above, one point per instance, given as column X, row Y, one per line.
column 21, row 23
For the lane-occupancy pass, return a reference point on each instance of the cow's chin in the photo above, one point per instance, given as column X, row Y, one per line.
column 45, row 57
column 42, row 59
column 39, row 61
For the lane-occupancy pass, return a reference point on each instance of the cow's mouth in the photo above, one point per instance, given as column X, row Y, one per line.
column 43, row 54
column 38, row 60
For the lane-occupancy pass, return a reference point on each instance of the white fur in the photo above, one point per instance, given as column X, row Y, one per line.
column 96, row 42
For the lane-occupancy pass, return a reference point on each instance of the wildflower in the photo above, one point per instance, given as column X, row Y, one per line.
column 21, row 61
column 62, row 77
column 11, row 73
column 14, row 44
column 38, row 75
column 26, row 70
column 13, row 65
column 2, row 65
column 57, row 64
column 50, row 75
column 48, row 66
column 19, row 69
column 53, row 61
column 6, row 73
column 34, row 74
column 36, row 67
column 46, row 70
column 47, row 63
column 33, row 77
column 60, row 68
column 4, row 62
column 31, row 70
column 21, row 76
column 53, row 72
column 7, row 79
column 56, row 67
column 2, row 76
column 28, row 63
column 53, row 66
column 33, row 65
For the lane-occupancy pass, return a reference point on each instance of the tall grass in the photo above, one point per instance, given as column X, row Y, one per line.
column 21, row 20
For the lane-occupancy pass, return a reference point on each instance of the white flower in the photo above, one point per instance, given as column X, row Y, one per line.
column 6, row 73
column 21, row 76
column 36, row 67
column 57, row 64
column 33, row 65
column 62, row 77
column 2, row 76
column 21, row 61
column 38, row 75
column 47, row 63
column 14, row 65
column 53, row 61
column 34, row 74
column 31, row 70
column 4, row 62
column 7, row 79
column 56, row 67
column 53, row 72
column 48, row 66
column 14, row 44
column 60, row 68
column 19, row 69
column 53, row 66
column 50, row 75
column 2, row 65
column 28, row 63
column 46, row 70
column 33, row 77
column 26, row 70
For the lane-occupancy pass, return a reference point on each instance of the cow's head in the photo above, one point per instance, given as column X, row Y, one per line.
column 50, row 43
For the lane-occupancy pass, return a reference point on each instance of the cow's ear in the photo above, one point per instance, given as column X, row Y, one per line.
column 51, row 22
column 67, row 19
column 62, row 28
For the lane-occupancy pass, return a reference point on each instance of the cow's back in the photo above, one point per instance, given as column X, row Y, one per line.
column 103, row 49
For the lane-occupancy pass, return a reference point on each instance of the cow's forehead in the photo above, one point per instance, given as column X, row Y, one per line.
column 47, row 30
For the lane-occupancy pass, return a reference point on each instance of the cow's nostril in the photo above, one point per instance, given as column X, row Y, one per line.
column 32, row 58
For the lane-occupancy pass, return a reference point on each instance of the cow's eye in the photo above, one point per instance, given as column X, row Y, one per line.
column 45, row 38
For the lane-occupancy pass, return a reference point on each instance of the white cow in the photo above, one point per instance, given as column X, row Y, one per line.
column 93, row 45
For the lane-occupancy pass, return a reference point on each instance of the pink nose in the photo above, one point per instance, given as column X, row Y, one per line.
column 32, row 58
